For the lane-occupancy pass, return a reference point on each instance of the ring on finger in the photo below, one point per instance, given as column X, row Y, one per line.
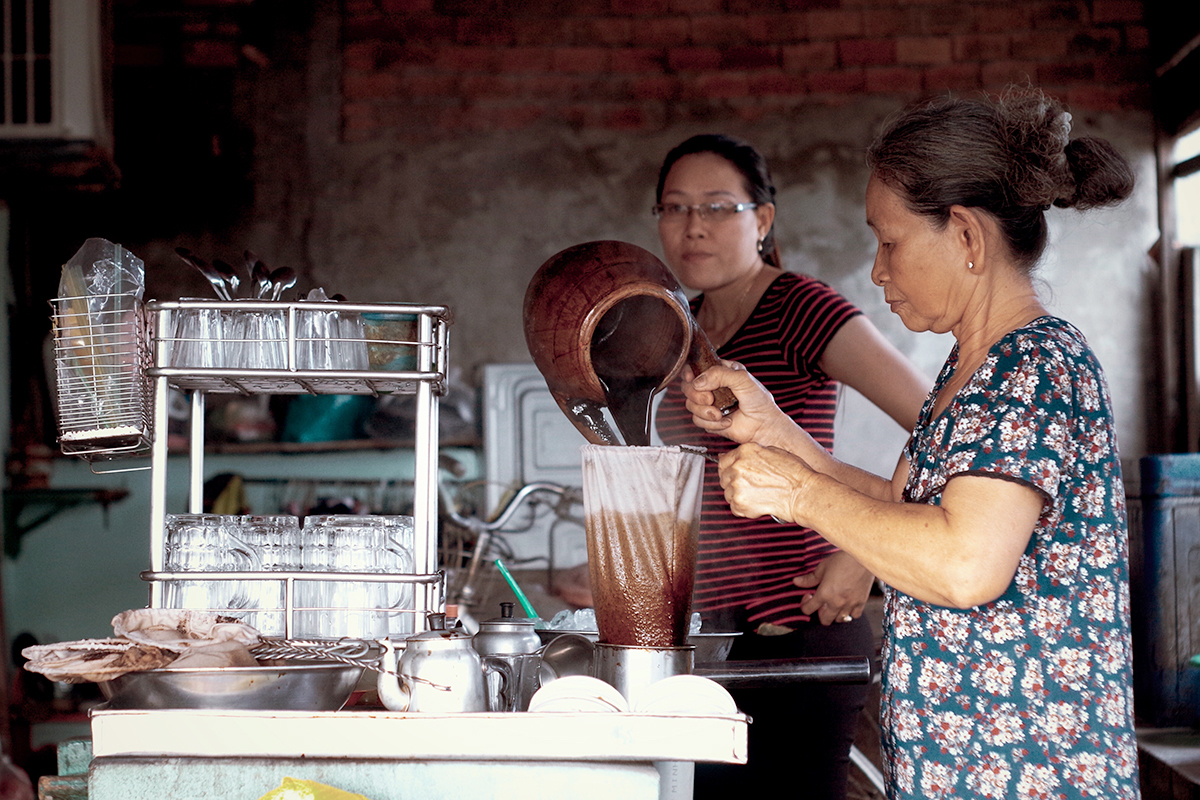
column 847, row 618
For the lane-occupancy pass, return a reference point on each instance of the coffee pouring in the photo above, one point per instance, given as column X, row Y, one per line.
column 609, row 326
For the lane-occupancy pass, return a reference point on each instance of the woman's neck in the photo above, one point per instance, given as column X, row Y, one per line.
column 726, row 308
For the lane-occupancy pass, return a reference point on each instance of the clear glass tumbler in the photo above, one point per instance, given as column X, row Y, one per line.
column 208, row 543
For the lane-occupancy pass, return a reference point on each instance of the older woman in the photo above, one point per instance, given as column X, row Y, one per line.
column 1001, row 536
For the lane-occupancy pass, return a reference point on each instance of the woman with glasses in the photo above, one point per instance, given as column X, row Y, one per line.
column 716, row 214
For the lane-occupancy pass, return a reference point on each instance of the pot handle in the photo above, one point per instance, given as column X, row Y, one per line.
column 701, row 356
column 504, row 696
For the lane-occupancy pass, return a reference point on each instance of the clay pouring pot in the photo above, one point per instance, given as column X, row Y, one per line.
column 605, row 320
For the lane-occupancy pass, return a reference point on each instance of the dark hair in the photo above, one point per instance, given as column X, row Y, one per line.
column 1009, row 156
column 756, row 177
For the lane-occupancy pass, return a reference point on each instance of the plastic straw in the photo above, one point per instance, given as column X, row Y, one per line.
column 512, row 584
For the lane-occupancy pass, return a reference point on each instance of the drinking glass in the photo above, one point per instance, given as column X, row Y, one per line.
column 275, row 540
column 208, row 543
column 399, row 561
column 259, row 338
column 345, row 543
column 199, row 338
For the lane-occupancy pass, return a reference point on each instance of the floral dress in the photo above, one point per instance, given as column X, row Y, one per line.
column 1030, row 695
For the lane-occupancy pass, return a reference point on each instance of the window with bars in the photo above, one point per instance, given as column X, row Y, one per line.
column 50, row 69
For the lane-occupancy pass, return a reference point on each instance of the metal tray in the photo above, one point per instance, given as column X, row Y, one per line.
column 291, row 687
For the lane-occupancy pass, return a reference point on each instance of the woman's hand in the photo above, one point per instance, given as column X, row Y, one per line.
column 756, row 418
column 842, row 588
column 760, row 481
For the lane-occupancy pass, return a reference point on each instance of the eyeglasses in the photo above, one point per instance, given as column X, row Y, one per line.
column 716, row 212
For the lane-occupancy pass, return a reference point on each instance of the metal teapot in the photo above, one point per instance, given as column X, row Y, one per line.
column 506, row 635
column 439, row 672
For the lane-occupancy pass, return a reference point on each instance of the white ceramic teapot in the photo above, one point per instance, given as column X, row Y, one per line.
column 439, row 672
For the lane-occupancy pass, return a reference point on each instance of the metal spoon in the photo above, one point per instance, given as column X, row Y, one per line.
column 282, row 279
column 230, row 277
column 213, row 276
column 260, row 275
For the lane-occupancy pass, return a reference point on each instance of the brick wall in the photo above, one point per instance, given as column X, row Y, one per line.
column 459, row 65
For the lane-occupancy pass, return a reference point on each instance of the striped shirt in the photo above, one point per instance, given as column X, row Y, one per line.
column 745, row 567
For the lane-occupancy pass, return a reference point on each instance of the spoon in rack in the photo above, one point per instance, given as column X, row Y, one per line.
column 230, row 277
column 213, row 276
column 282, row 279
column 260, row 275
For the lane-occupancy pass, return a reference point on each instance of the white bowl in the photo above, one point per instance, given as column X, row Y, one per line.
column 575, row 693
column 680, row 695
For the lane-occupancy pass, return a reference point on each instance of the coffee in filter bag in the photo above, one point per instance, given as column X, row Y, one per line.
column 642, row 516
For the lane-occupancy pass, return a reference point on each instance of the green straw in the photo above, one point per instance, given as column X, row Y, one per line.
column 521, row 598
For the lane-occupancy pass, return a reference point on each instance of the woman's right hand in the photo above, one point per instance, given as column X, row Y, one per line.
column 756, row 419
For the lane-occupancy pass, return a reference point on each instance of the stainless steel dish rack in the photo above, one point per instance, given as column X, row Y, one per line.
column 424, row 376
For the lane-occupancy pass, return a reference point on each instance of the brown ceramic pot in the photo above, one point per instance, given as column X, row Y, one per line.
column 610, row 309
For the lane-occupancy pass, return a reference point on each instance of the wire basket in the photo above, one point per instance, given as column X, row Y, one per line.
column 101, row 354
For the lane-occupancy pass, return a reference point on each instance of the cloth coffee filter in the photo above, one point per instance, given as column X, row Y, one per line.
column 642, row 517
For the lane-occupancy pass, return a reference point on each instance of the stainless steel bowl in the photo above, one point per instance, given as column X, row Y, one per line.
column 292, row 687
column 714, row 646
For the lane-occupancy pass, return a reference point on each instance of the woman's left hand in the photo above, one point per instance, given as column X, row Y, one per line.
column 842, row 588
column 760, row 481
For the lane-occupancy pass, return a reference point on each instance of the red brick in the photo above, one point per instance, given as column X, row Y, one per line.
column 624, row 118
column 695, row 6
column 722, row 84
column 358, row 116
column 474, row 87
column 1118, row 11
column 606, row 30
column 1063, row 74
column 928, row 50
column 959, row 77
column 1040, row 45
column 541, row 31
column 663, row 31
column 693, row 58
column 1095, row 42
column 638, row 59
column 428, row 85
column 834, row 24
column 777, row 28
column 817, row 56
column 1137, row 37
column 719, row 29
column 945, row 19
column 1108, row 98
column 513, row 117
column 749, row 57
column 1004, row 18
column 892, row 81
column 813, row 5
column 359, row 55
column 881, row 22
column 1133, row 68
column 524, row 59
column 842, row 82
column 866, row 52
column 211, row 53
column 485, row 30
column 1067, row 14
column 406, row 6
column 778, row 83
column 998, row 74
column 370, row 85
column 551, row 87
column 655, row 87
column 641, row 8
column 467, row 59
column 581, row 59
column 981, row 47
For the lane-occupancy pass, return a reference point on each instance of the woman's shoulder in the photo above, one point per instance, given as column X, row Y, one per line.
column 1047, row 336
column 794, row 287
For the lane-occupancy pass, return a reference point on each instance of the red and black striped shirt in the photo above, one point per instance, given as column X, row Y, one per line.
column 747, row 565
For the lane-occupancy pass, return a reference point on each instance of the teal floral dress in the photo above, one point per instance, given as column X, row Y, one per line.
column 1030, row 695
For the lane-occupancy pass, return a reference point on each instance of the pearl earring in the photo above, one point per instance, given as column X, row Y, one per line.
column 970, row 265
column 760, row 246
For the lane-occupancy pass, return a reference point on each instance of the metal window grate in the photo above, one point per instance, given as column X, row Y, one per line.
column 26, row 64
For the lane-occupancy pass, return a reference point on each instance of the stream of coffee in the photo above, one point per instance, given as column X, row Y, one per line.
column 632, row 353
